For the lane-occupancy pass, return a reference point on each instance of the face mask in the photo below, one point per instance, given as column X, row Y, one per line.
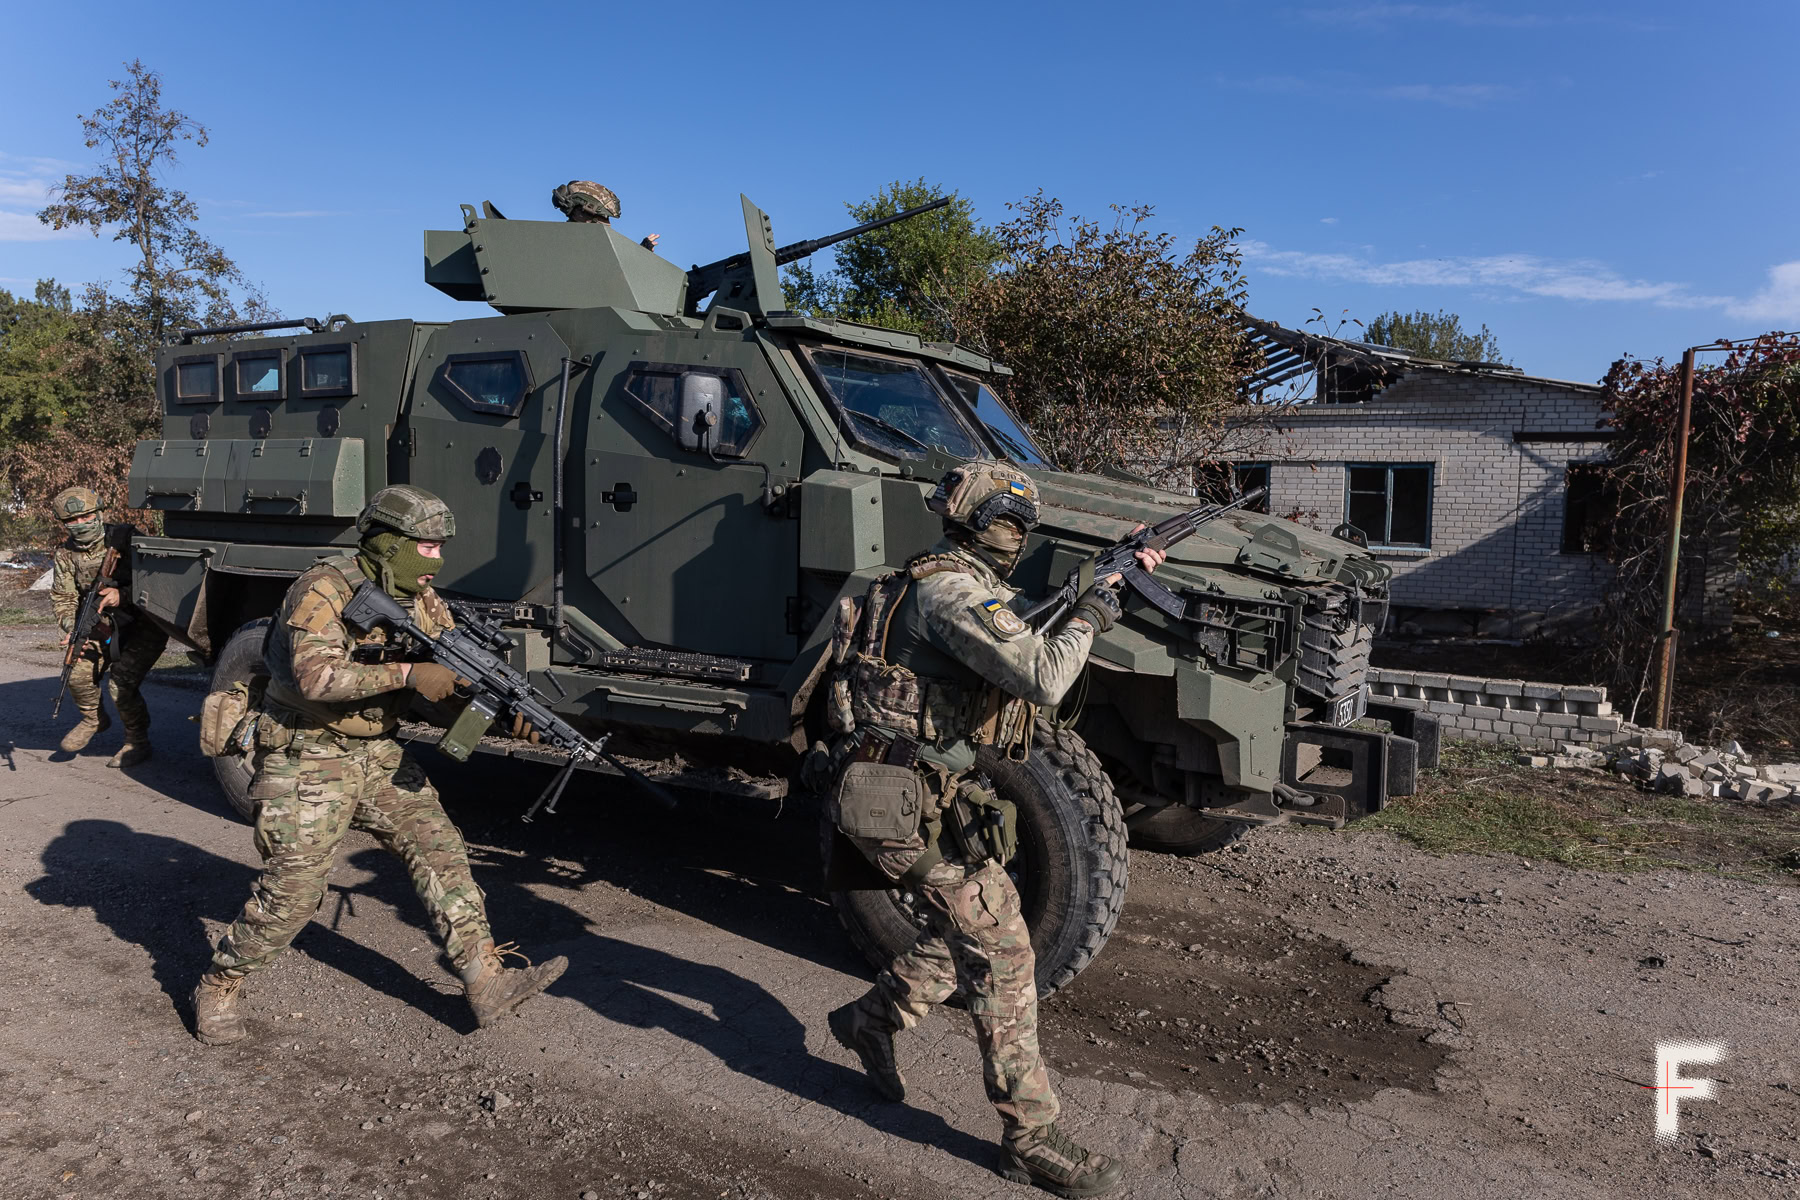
column 87, row 533
column 393, row 560
column 999, row 545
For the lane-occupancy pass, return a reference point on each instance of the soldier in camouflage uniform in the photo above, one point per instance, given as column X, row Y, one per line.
column 124, row 639
column 327, row 762
column 588, row 203
column 934, row 662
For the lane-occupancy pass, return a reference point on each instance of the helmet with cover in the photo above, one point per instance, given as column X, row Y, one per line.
column 79, row 510
column 393, row 523
column 585, row 200
column 988, row 507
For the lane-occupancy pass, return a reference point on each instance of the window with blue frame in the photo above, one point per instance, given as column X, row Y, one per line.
column 1390, row 503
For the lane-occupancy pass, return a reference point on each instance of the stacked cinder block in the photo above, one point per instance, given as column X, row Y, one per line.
column 1513, row 711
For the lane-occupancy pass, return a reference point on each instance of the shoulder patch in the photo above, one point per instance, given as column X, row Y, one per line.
column 1001, row 621
column 313, row 612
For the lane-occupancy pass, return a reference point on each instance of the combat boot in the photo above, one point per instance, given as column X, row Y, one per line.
column 83, row 733
column 1047, row 1158
column 495, row 990
column 217, row 1021
column 863, row 1033
column 134, row 751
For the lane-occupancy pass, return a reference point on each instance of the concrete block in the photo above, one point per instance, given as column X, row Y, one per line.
column 1446, row 708
column 1421, row 679
column 1600, row 724
column 1477, row 710
column 1592, row 695
column 1531, row 760
column 1559, row 720
column 1400, row 701
column 1467, row 683
column 1686, row 754
column 1788, row 773
column 1542, row 691
column 1603, row 708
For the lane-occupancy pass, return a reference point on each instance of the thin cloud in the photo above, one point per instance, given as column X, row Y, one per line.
column 295, row 214
column 1328, row 220
column 1344, row 85
column 1779, row 301
column 1468, row 16
column 25, row 227
column 1525, row 274
column 25, row 187
column 1454, row 95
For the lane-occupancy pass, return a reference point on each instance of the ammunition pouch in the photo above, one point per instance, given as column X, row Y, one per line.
column 228, row 718
column 983, row 825
column 879, row 800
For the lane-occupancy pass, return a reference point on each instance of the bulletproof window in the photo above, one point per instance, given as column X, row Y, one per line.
column 197, row 378
column 492, row 382
column 1003, row 427
column 1590, row 505
column 656, row 389
column 1390, row 503
column 328, row 370
column 891, row 405
column 257, row 375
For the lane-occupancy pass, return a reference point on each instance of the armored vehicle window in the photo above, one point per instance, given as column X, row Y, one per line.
column 197, row 378
column 1391, row 504
column 328, row 371
column 657, row 389
column 1002, row 426
column 891, row 404
column 258, row 374
column 489, row 383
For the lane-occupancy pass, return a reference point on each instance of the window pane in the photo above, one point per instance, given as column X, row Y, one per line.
column 1248, row 479
column 1369, row 514
column 259, row 375
column 497, row 384
column 660, row 393
column 1014, row 441
column 739, row 420
column 322, row 370
column 1369, row 479
column 196, row 381
column 905, row 415
column 1412, row 507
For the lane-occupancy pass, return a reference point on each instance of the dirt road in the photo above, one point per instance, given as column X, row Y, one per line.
column 1307, row 1016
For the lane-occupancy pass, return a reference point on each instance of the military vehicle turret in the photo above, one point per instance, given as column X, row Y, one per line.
column 661, row 501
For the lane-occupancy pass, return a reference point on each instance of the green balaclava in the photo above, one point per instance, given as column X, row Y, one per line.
column 87, row 532
column 393, row 560
column 999, row 545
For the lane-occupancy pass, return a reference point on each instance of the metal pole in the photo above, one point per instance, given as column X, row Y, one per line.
column 1664, row 697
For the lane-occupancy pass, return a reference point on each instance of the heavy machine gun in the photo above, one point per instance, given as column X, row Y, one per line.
column 87, row 616
column 1121, row 559
column 471, row 649
column 704, row 281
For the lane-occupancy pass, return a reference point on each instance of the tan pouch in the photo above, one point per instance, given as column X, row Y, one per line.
column 220, row 715
column 876, row 800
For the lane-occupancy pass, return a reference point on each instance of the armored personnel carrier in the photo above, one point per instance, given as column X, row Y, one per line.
column 663, row 480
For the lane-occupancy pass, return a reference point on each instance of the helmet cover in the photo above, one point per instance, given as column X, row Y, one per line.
column 410, row 510
column 976, row 494
column 585, row 200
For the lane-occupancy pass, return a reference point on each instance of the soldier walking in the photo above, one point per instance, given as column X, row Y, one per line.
column 935, row 663
column 124, row 640
column 327, row 761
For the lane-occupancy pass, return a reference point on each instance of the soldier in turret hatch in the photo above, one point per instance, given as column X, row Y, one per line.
column 586, row 202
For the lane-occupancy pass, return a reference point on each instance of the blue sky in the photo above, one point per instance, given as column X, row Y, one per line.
column 1587, row 179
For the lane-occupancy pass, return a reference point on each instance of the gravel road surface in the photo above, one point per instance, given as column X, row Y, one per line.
column 1308, row 1015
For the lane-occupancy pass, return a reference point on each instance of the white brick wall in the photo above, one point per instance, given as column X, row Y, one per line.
column 1497, row 505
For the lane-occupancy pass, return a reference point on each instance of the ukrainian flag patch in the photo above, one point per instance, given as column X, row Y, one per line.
column 1000, row 620
column 1017, row 488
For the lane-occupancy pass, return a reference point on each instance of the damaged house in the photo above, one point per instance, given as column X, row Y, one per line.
column 1476, row 482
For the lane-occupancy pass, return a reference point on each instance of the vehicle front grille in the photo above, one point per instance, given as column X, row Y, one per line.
column 1337, row 632
column 1241, row 633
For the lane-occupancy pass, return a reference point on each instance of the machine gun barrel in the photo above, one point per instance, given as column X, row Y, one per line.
column 494, row 690
column 705, row 280
column 1120, row 558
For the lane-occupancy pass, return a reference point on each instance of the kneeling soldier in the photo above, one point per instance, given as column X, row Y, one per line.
column 124, row 639
column 327, row 761
column 934, row 663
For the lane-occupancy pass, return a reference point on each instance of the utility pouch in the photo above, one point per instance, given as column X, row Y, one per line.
column 984, row 825
column 220, row 715
column 275, row 727
column 876, row 800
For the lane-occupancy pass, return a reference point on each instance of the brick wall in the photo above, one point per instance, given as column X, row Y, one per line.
column 1513, row 711
column 1497, row 504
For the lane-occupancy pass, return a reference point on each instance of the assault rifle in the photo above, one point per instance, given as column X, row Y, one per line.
column 494, row 690
column 87, row 615
column 1121, row 559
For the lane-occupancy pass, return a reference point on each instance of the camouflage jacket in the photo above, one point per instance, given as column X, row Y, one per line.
column 75, row 569
column 951, row 663
column 309, row 651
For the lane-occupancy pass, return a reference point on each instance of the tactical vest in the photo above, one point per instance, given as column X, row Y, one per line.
column 371, row 716
column 889, row 674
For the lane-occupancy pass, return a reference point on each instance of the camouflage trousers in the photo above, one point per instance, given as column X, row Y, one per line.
column 133, row 653
column 974, row 935
column 311, row 794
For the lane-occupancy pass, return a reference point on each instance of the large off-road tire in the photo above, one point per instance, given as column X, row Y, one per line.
column 1178, row 829
column 241, row 655
column 1071, row 866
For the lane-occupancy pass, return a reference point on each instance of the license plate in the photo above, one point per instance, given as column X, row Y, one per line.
column 1346, row 709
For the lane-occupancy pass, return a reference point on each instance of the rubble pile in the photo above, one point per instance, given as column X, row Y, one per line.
column 1664, row 761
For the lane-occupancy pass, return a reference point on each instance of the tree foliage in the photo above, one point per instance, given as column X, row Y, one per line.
column 1743, row 481
column 1438, row 335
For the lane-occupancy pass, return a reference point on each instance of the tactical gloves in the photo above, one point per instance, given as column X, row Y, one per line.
column 1099, row 606
column 431, row 681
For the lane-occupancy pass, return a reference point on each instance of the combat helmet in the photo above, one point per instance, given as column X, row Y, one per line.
column 408, row 510
column 585, row 200
column 976, row 494
column 74, row 502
